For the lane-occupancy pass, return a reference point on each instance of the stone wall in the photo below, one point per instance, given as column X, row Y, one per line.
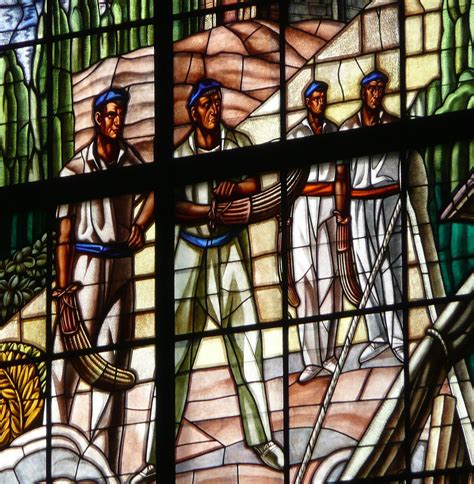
column 342, row 11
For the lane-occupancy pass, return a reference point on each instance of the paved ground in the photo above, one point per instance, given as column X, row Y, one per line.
column 210, row 444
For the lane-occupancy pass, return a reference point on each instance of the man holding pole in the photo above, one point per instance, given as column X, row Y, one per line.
column 374, row 182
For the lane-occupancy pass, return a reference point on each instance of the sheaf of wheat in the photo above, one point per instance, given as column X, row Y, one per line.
column 21, row 399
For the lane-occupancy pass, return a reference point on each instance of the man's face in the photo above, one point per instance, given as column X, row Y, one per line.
column 316, row 102
column 110, row 121
column 372, row 94
column 206, row 113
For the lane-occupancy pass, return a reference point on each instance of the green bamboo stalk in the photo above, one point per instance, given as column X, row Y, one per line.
column 21, row 96
column 120, row 13
column 86, row 43
column 3, row 119
column 150, row 31
column 471, row 36
column 448, row 76
column 12, row 124
column 108, row 46
column 94, row 19
column 134, row 14
column 144, row 9
column 76, row 25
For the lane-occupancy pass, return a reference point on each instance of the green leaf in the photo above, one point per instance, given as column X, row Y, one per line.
column 41, row 260
column 29, row 262
column 26, row 251
column 14, row 281
column 17, row 299
column 26, row 294
column 11, row 267
column 23, row 283
column 7, row 299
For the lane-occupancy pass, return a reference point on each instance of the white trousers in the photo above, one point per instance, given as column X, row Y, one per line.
column 370, row 219
column 106, row 305
column 315, row 269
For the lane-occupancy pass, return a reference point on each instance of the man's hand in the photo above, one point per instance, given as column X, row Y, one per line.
column 230, row 213
column 340, row 218
column 136, row 240
column 224, row 190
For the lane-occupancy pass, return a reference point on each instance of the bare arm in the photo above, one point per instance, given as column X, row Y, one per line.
column 249, row 186
column 229, row 190
column 64, row 253
column 191, row 213
column 341, row 192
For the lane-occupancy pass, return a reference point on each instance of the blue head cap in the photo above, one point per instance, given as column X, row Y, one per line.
column 200, row 89
column 111, row 95
column 315, row 86
column 374, row 76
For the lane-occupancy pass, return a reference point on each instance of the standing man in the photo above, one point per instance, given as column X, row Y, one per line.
column 373, row 195
column 219, row 279
column 96, row 241
column 212, row 281
column 313, row 246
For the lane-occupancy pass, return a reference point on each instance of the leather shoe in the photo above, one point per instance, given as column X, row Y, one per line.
column 398, row 352
column 330, row 364
column 309, row 373
column 371, row 351
column 147, row 474
column 270, row 454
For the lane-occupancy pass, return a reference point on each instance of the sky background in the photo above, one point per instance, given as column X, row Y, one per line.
column 19, row 23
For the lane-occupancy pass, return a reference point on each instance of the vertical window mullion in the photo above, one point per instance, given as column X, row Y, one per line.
column 49, row 240
column 164, row 219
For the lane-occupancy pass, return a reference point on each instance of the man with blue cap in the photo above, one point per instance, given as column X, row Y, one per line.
column 315, row 99
column 374, row 192
column 226, row 296
column 315, row 289
column 209, row 131
column 96, row 242
column 212, row 282
column 372, row 92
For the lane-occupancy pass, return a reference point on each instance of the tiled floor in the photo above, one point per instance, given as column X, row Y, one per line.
column 210, row 445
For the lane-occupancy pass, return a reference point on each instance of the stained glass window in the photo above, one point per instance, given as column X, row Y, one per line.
column 237, row 241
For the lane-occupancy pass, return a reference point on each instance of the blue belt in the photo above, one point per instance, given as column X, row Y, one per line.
column 107, row 251
column 208, row 243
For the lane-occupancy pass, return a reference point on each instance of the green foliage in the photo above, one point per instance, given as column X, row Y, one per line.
column 22, row 276
column 134, row 14
column 76, row 25
column 450, row 164
column 108, row 44
column 94, row 23
column 15, row 139
column 184, row 27
column 60, row 23
column 39, row 109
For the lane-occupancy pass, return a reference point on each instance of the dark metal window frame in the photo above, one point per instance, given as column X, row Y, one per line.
column 167, row 173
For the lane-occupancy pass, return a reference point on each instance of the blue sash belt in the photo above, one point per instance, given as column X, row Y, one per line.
column 208, row 243
column 107, row 251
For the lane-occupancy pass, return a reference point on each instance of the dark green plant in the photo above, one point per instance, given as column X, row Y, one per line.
column 22, row 276
column 450, row 164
